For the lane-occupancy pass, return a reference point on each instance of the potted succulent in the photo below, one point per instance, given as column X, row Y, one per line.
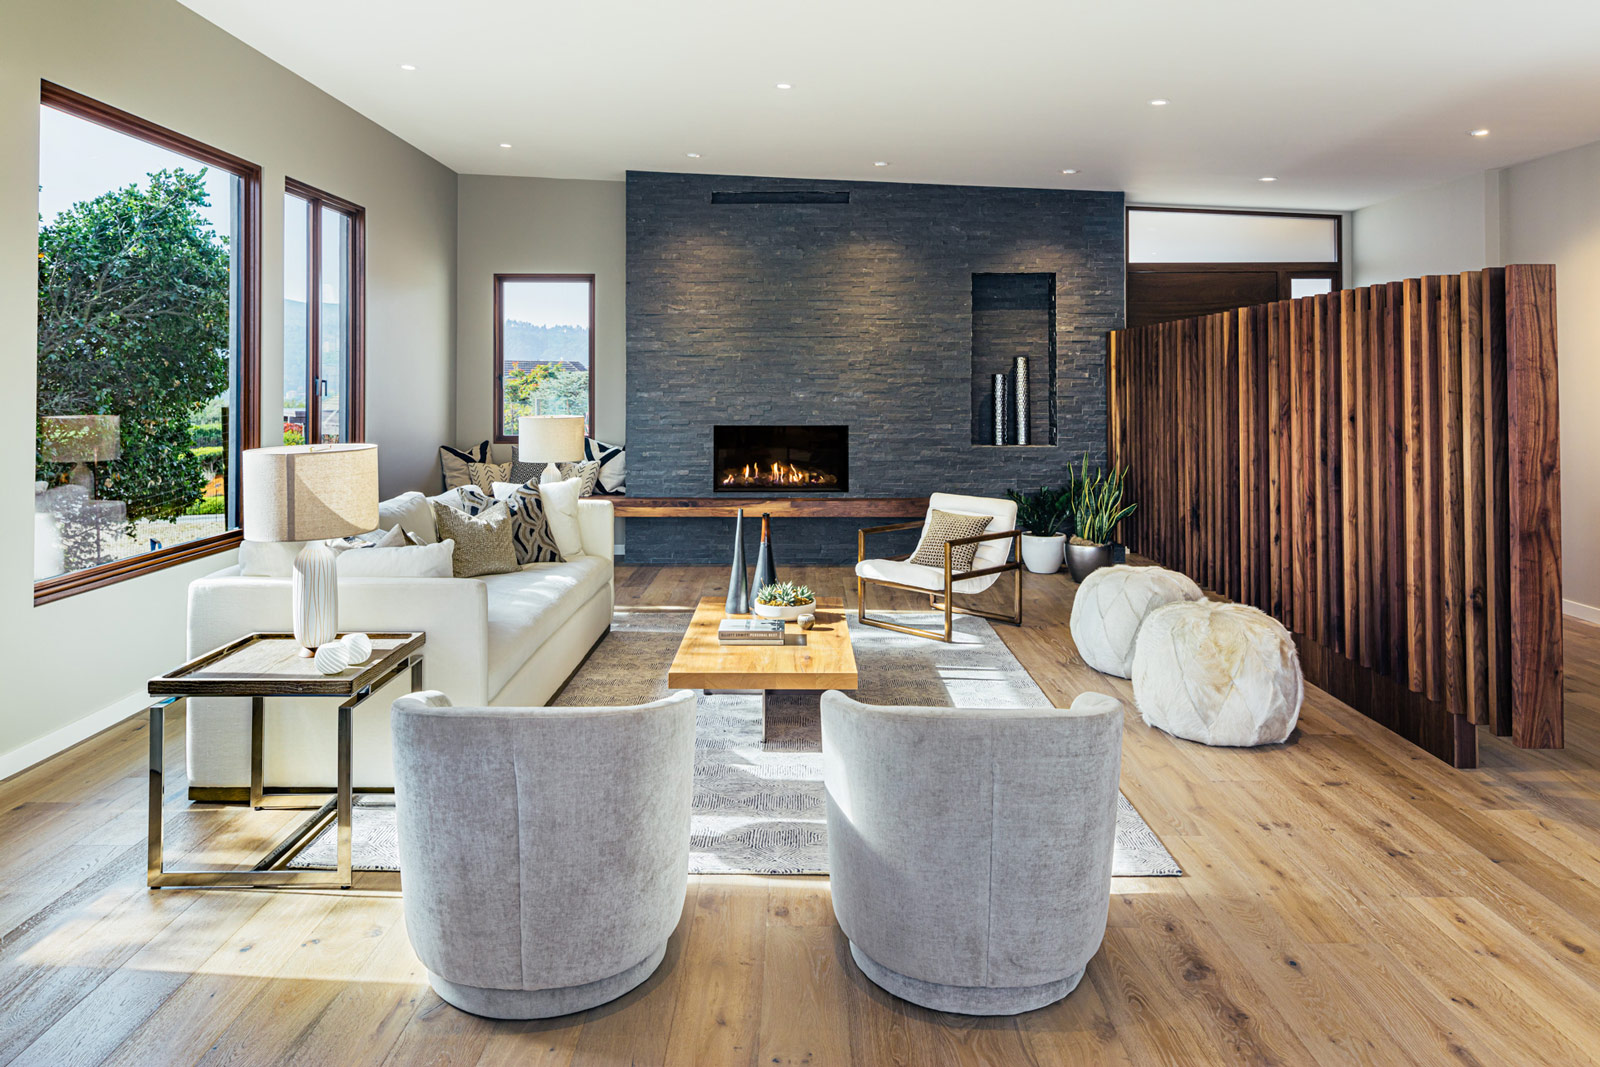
column 783, row 600
column 1044, row 518
column 1098, row 507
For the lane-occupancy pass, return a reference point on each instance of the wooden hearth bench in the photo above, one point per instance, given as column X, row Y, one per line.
column 723, row 507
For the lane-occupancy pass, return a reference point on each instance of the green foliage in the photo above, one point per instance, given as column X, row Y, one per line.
column 552, row 390
column 1097, row 502
column 133, row 321
column 785, row 595
column 211, row 505
column 207, row 435
column 1046, row 512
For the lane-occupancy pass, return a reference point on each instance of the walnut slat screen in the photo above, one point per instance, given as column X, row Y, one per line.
column 1379, row 469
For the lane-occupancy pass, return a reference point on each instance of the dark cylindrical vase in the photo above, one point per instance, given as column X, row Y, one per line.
column 1084, row 560
column 766, row 565
column 738, row 591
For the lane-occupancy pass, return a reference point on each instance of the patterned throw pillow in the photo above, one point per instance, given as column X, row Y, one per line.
column 523, row 473
column 484, row 475
column 613, row 465
column 530, row 532
column 484, row 542
column 949, row 526
column 453, row 464
column 587, row 472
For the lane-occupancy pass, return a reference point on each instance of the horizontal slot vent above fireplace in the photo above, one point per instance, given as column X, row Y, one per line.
column 782, row 196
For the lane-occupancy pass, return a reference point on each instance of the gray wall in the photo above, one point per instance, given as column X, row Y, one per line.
column 858, row 314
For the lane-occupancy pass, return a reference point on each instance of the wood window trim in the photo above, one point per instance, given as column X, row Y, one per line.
column 249, row 416
column 1300, row 268
column 500, row 436
column 356, row 385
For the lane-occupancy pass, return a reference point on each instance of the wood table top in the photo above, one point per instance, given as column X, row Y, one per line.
column 270, row 664
column 819, row 658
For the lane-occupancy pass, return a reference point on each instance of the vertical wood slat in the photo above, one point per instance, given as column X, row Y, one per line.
column 1534, row 482
column 1370, row 466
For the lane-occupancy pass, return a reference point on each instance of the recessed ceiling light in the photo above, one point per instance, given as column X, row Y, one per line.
column 407, row 66
column 692, row 155
column 1480, row 132
column 1070, row 170
column 1158, row 103
column 880, row 163
column 785, row 85
column 504, row 145
column 1267, row 178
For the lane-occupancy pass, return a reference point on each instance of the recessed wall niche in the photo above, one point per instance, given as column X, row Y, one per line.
column 1014, row 315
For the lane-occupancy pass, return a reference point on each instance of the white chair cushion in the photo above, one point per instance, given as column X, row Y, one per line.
column 1217, row 673
column 1111, row 605
column 520, row 613
column 902, row 572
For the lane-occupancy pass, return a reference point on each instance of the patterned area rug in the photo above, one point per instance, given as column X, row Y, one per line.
column 758, row 806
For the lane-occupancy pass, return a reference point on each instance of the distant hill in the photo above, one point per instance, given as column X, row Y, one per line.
column 525, row 342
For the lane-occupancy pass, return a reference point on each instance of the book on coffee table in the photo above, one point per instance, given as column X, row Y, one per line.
column 750, row 632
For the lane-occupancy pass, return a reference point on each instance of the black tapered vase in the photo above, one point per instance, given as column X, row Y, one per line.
column 766, row 566
column 738, row 591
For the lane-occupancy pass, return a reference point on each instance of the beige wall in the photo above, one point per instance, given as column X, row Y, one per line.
column 538, row 226
column 1543, row 211
column 71, row 666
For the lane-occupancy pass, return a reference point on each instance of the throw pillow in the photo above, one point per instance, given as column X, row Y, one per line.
column 530, row 530
column 453, row 464
column 275, row 559
column 484, row 475
column 483, row 542
column 393, row 537
column 613, row 465
column 410, row 512
column 561, row 512
column 523, row 473
column 945, row 526
column 587, row 472
column 424, row 561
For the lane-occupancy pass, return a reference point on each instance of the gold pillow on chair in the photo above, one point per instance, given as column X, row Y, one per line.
column 950, row 526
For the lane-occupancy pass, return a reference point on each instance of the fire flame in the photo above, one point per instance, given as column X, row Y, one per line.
column 755, row 474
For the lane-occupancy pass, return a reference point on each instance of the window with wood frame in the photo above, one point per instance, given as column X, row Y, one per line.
column 148, row 340
column 543, row 348
column 324, row 342
column 1184, row 262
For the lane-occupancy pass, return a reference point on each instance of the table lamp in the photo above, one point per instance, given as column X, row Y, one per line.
column 81, row 440
column 550, row 439
column 311, row 493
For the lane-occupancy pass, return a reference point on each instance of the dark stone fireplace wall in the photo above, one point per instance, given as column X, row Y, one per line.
column 857, row 313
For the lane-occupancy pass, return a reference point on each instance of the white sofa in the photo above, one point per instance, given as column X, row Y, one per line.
column 507, row 640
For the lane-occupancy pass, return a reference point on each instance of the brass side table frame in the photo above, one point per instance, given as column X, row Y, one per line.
column 259, row 666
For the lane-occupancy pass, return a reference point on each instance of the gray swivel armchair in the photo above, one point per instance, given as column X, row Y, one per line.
column 970, row 851
column 544, row 852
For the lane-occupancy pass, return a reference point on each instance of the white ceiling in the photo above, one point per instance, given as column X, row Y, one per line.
column 1347, row 102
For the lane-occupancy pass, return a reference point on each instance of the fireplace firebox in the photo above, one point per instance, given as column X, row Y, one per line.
column 781, row 459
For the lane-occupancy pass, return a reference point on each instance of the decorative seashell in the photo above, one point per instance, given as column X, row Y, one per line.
column 359, row 646
column 807, row 621
column 332, row 657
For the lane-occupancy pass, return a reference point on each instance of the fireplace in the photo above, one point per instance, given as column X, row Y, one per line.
column 781, row 459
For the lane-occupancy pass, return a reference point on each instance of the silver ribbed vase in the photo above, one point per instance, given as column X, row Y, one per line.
column 1001, row 409
column 1019, row 391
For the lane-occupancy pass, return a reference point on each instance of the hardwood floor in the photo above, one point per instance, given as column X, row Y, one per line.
column 1349, row 899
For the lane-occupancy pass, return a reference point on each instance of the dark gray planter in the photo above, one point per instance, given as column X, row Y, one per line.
column 1084, row 560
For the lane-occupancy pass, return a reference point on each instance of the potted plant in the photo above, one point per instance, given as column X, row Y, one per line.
column 783, row 600
column 1044, row 517
column 1098, row 507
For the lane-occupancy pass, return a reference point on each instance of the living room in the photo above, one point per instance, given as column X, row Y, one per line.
column 952, row 540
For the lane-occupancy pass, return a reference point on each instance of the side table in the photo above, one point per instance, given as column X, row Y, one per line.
column 259, row 666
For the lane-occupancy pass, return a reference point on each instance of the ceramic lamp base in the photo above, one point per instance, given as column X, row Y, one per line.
column 316, row 597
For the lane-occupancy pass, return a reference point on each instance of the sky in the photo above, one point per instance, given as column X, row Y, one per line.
column 547, row 303
column 79, row 160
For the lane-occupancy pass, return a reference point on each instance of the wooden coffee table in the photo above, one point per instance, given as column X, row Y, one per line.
column 815, row 659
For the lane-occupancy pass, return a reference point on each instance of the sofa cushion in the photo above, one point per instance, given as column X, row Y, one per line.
column 904, row 572
column 410, row 512
column 528, row 605
column 421, row 561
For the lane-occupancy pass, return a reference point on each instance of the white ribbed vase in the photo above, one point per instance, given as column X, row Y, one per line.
column 316, row 597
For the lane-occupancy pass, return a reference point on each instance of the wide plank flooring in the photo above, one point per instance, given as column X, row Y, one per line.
column 1349, row 900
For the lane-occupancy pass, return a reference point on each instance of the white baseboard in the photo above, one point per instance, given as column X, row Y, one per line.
column 1586, row 612
column 42, row 748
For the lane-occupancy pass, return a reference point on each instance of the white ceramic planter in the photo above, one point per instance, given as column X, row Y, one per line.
column 1043, row 555
column 787, row 614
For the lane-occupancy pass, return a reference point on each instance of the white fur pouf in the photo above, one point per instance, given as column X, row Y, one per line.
column 1112, row 604
column 1219, row 674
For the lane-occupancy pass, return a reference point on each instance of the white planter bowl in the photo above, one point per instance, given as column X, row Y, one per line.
column 1044, row 555
column 787, row 614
